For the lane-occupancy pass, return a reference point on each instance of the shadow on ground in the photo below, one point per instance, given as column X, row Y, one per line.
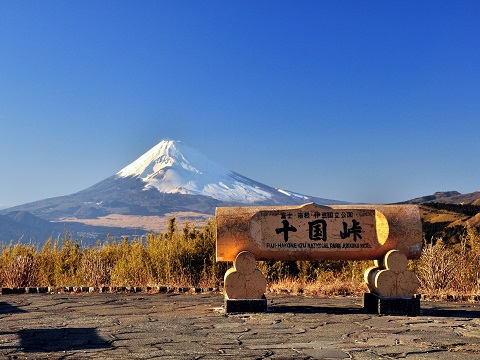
column 63, row 339
column 450, row 313
column 6, row 308
column 431, row 312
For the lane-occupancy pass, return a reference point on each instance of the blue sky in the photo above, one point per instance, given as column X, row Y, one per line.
column 358, row 101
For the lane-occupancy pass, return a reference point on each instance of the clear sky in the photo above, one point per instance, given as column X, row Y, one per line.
column 362, row 101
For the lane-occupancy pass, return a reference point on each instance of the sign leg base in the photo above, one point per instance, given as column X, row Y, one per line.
column 245, row 305
column 375, row 304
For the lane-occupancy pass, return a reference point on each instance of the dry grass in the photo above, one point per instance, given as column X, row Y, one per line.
column 20, row 272
column 186, row 257
column 454, row 270
column 335, row 287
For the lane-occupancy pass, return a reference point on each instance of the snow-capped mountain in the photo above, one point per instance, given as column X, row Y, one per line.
column 173, row 167
column 170, row 178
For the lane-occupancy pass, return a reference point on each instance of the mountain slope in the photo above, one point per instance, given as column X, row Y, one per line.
column 116, row 195
column 170, row 177
column 173, row 167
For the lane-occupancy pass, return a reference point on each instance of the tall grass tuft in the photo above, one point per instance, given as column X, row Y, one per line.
column 452, row 270
column 18, row 266
column 20, row 272
column 437, row 268
column 96, row 270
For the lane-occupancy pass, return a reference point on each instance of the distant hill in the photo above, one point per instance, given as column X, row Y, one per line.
column 445, row 214
column 31, row 227
column 447, row 197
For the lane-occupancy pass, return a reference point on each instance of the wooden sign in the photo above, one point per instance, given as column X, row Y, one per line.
column 313, row 232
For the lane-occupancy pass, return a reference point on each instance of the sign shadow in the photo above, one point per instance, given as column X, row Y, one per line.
column 427, row 312
column 6, row 308
column 451, row 313
column 54, row 340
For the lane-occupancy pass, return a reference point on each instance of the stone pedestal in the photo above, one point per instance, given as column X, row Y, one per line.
column 245, row 305
column 375, row 304
column 391, row 278
column 245, row 286
column 392, row 287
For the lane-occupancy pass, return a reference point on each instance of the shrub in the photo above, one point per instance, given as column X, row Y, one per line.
column 95, row 269
column 436, row 268
column 20, row 272
column 455, row 269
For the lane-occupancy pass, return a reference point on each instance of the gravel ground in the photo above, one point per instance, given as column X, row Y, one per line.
column 194, row 326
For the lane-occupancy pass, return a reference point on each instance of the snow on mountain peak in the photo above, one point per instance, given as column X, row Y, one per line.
column 173, row 167
column 163, row 155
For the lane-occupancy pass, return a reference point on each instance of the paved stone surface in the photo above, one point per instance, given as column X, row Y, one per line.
column 192, row 326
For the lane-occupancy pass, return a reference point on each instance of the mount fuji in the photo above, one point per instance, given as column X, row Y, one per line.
column 172, row 167
column 170, row 178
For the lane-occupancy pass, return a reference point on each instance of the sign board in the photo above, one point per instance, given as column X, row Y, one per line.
column 313, row 232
